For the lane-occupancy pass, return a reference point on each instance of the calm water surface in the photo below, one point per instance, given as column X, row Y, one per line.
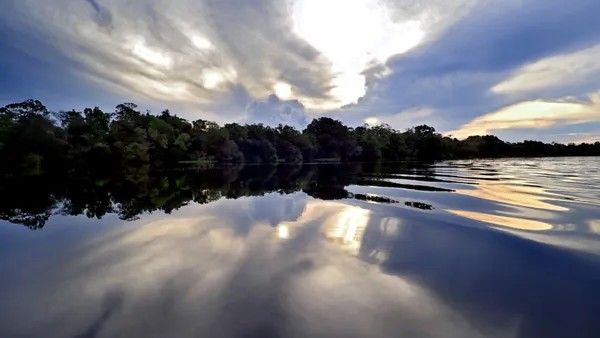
column 498, row 248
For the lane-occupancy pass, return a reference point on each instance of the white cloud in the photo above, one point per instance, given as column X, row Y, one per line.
column 404, row 119
column 580, row 137
column 372, row 121
column 535, row 114
column 559, row 70
column 201, row 42
column 316, row 285
column 150, row 55
column 214, row 78
column 352, row 34
column 180, row 51
column 362, row 34
column 274, row 111
column 194, row 51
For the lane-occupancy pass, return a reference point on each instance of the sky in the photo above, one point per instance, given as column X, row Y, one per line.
column 519, row 69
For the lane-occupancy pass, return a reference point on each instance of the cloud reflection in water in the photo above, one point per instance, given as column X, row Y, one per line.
column 511, row 222
column 285, row 263
column 193, row 274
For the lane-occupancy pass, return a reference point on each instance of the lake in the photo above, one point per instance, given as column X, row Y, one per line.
column 482, row 248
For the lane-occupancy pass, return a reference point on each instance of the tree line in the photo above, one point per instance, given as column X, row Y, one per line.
column 34, row 140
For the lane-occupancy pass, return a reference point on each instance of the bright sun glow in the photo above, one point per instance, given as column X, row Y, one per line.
column 282, row 90
column 283, row 232
column 211, row 79
column 348, row 227
column 352, row 35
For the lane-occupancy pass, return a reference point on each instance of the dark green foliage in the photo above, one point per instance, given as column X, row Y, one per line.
column 30, row 141
column 333, row 140
column 34, row 140
column 131, row 191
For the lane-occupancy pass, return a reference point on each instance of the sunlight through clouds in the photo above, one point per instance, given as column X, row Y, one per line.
column 353, row 35
column 282, row 90
column 224, row 55
column 401, row 62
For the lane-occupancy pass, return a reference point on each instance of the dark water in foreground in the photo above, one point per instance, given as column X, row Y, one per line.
column 506, row 248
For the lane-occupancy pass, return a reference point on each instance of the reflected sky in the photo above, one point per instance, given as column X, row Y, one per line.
column 505, row 221
column 515, row 194
column 373, row 262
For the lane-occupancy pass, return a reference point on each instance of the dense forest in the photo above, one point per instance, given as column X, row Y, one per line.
column 35, row 140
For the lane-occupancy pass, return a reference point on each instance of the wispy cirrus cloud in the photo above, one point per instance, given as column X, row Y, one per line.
column 454, row 73
column 537, row 114
column 562, row 70
column 198, row 52
column 178, row 51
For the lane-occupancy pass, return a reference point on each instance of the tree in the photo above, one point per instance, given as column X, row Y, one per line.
column 333, row 139
column 128, row 135
column 34, row 140
column 424, row 143
column 31, row 140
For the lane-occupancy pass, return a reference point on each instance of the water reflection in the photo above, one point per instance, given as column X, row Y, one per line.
column 511, row 222
column 595, row 226
column 514, row 193
column 341, row 224
column 195, row 276
column 304, row 251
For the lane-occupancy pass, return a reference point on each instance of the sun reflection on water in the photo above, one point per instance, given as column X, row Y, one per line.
column 342, row 224
column 348, row 228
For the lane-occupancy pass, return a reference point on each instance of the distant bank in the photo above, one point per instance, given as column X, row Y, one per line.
column 35, row 140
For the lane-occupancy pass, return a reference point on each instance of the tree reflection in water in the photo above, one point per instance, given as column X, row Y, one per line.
column 32, row 200
column 464, row 249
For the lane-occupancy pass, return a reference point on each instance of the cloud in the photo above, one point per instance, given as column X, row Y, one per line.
column 188, row 51
column 199, row 267
column 353, row 59
column 274, row 111
column 453, row 71
column 353, row 38
column 581, row 137
column 534, row 115
column 561, row 70
column 404, row 119
column 178, row 51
